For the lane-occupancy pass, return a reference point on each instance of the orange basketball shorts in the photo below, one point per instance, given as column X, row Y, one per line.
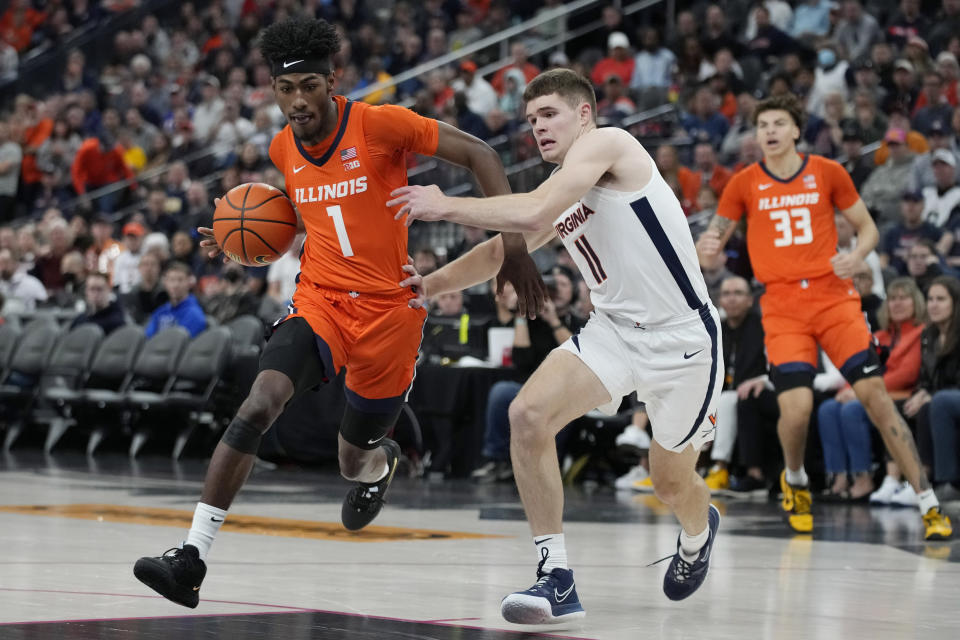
column 376, row 338
column 797, row 316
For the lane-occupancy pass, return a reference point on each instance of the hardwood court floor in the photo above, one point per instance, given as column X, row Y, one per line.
column 438, row 562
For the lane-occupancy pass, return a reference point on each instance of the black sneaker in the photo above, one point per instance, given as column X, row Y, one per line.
column 364, row 501
column 176, row 575
column 683, row 578
column 746, row 486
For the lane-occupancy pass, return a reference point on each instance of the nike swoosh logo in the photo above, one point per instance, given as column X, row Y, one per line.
column 870, row 369
column 290, row 64
column 764, row 187
column 542, row 541
column 687, row 356
column 212, row 519
column 299, row 169
column 560, row 597
column 377, row 440
column 196, row 588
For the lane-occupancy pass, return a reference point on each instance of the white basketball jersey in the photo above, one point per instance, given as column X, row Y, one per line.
column 635, row 252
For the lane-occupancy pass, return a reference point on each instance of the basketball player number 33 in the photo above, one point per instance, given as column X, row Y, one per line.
column 793, row 226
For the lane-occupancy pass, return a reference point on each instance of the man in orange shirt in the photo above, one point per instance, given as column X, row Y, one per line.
column 789, row 200
column 340, row 161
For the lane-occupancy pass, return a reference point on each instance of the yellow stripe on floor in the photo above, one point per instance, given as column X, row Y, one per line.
column 236, row 523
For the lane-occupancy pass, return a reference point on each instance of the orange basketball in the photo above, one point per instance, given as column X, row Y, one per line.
column 254, row 224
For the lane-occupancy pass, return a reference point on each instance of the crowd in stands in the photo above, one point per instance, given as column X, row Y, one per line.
column 182, row 111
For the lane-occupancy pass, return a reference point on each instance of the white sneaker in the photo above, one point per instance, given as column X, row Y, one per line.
column 634, row 436
column 636, row 474
column 905, row 496
column 886, row 491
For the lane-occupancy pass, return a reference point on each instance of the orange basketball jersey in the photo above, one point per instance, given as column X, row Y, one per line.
column 341, row 187
column 791, row 233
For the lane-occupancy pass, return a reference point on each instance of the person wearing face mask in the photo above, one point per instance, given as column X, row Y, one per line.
column 829, row 77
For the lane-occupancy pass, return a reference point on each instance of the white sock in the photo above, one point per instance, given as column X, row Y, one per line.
column 928, row 500
column 690, row 545
column 797, row 478
column 552, row 545
column 206, row 523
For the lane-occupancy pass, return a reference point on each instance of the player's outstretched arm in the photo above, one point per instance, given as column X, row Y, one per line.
column 478, row 265
column 593, row 155
column 714, row 239
column 867, row 234
column 518, row 267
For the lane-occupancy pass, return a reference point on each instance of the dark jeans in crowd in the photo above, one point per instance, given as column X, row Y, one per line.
column 845, row 435
column 938, row 439
column 496, row 436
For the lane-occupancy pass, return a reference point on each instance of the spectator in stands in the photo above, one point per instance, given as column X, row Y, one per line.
column 674, row 174
column 148, row 295
column 810, row 18
column 98, row 163
column 21, row 290
column 931, row 105
column 59, row 242
column 906, row 23
column 857, row 30
column 856, row 164
column 703, row 121
column 518, row 52
column 943, row 198
column 618, row 60
column 924, row 264
column 939, row 138
column 615, row 104
column 10, row 158
column 870, row 301
column 182, row 308
column 466, row 119
column 18, row 23
column 481, row 96
column 101, row 308
column 902, row 93
column 9, row 62
column 939, row 370
column 533, row 340
column 55, row 156
column 234, row 298
column 126, row 273
column 155, row 213
column 847, row 242
column 901, row 319
column 210, row 111
column 467, row 31
column 770, row 42
column 949, row 68
column 946, row 25
column 282, row 274
column 103, row 251
column 889, row 179
column 652, row 70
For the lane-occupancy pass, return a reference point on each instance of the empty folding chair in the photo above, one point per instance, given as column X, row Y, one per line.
column 20, row 385
column 68, row 368
column 197, row 375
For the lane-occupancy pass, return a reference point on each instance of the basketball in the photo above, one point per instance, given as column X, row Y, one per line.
column 254, row 224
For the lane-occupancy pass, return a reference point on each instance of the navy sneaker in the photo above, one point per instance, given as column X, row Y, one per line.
column 365, row 501
column 683, row 578
column 552, row 600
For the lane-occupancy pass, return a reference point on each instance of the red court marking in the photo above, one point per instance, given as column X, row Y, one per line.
column 286, row 609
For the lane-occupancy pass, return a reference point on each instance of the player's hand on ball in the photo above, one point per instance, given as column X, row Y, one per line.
column 415, row 282
column 418, row 203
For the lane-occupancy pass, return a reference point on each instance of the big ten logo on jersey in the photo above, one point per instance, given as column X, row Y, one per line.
column 578, row 215
column 323, row 192
column 349, row 159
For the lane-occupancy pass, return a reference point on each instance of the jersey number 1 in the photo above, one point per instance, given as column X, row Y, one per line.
column 337, row 215
column 793, row 226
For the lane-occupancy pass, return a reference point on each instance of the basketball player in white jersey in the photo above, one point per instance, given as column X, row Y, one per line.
column 653, row 331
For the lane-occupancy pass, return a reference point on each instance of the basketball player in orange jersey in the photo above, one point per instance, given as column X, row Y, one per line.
column 789, row 201
column 340, row 161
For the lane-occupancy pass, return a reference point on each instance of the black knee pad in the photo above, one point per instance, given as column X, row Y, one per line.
column 242, row 436
column 365, row 429
column 865, row 364
column 791, row 379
